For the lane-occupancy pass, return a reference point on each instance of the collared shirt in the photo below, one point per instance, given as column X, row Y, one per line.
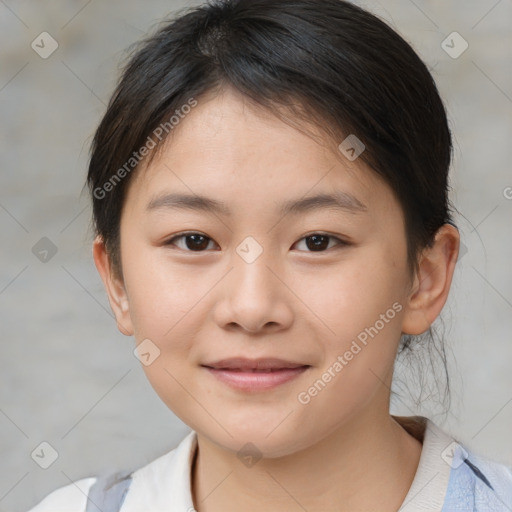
column 449, row 478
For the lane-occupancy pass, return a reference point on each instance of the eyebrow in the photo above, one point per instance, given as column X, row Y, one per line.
column 339, row 201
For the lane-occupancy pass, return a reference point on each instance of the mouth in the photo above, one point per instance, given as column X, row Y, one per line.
column 255, row 375
column 266, row 364
column 251, row 370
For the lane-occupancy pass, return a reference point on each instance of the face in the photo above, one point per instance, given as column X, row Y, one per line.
column 320, row 284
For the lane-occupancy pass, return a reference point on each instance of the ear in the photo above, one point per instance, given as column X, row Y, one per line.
column 114, row 286
column 432, row 281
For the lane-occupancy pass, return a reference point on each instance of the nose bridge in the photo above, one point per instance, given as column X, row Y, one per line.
column 252, row 261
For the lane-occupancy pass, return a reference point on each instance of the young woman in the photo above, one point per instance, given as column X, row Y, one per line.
column 270, row 198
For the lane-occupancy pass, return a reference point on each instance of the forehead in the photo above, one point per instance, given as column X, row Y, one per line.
column 227, row 149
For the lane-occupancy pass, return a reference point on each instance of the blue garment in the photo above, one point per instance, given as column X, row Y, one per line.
column 477, row 484
column 108, row 493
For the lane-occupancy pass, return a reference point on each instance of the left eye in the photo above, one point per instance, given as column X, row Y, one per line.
column 319, row 242
column 197, row 242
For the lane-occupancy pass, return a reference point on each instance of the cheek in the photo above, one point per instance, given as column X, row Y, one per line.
column 360, row 307
column 352, row 296
column 161, row 294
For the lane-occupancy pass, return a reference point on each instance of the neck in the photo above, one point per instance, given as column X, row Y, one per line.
column 368, row 463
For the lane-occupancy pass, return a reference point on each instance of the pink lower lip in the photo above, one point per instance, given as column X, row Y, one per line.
column 256, row 381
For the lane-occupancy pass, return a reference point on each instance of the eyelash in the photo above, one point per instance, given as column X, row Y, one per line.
column 341, row 243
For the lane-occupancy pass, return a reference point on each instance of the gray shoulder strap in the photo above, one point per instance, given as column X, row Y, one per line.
column 107, row 494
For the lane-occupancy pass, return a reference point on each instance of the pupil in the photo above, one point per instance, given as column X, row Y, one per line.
column 198, row 243
column 318, row 242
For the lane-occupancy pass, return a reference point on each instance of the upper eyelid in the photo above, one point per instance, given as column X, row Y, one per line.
column 178, row 235
column 186, row 233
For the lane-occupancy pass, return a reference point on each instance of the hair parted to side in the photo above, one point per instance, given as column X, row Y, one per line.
column 326, row 62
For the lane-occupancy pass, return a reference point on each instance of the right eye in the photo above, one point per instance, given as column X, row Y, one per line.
column 193, row 241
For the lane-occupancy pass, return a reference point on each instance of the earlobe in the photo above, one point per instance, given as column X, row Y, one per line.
column 432, row 281
column 114, row 287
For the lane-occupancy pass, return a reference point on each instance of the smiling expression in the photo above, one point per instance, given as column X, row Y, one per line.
column 247, row 238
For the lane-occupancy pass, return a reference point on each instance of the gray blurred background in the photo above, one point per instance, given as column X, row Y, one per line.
column 68, row 377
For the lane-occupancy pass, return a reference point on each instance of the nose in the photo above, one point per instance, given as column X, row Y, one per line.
column 254, row 295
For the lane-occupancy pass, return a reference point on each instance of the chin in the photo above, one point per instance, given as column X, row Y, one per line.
column 255, row 439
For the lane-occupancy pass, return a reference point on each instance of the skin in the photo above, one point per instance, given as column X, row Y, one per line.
column 342, row 451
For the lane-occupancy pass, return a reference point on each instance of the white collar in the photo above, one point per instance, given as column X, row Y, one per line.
column 430, row 483
column 165, row 483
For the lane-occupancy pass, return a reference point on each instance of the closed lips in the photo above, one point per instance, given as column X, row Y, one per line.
column 254, row 370
column 256, row 365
